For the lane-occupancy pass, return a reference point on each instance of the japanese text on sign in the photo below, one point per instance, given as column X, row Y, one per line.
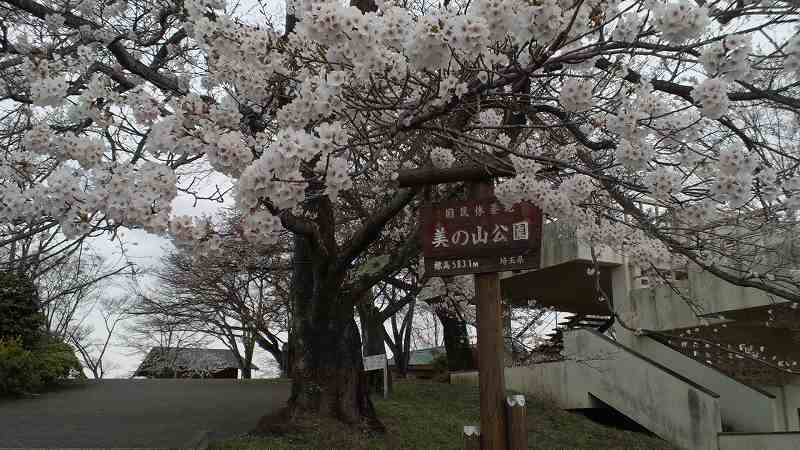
column 475, row 236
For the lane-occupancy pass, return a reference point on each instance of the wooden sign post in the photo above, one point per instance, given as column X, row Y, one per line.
column 379, row 362
column 472, row 437
column 517, row 423
column 478, row 236
column 491, row 373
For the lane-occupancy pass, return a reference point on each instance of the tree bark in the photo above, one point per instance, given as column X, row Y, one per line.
column 249, row 347
column 274, row 348
column 456, row 342
column 327, row 370
column 400, row 341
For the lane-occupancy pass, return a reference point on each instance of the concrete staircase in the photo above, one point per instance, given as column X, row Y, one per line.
column 704, row 384
column 665, row 402
column 762, row 413
column 673, row 396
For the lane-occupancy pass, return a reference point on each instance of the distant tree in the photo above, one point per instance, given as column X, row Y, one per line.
column 235, row 293
column 400, row 339
column 92, row 344
column 450, row 302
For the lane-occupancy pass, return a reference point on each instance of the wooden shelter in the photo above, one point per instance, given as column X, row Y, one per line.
column 171, row 362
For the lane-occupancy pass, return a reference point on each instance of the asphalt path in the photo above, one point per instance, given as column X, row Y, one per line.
column 166, row 413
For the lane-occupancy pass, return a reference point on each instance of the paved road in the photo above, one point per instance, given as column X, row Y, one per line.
column 137, row 413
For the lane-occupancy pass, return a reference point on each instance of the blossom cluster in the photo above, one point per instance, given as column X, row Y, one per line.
column 49, row 91
column 680, row 21
column 735, row 176
column 442, row 158
column 634, row 156
column 276, row 176
column 291, row 117
column 86, row 150
column 76, row 197
column 627, row 28
column 728, row 57
column 642, row 250
column 664, row 183
column 576, row 95
column 712, row 95
column 527, row 186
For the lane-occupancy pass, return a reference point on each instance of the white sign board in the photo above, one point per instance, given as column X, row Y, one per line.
column 379, row 362
column 374, row 362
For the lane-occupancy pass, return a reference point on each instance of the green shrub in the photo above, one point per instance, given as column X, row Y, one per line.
column 16, row 367
column 30, row 359
column 440, row 368
column 19, row 310
column 24, row 371
column 55, row 361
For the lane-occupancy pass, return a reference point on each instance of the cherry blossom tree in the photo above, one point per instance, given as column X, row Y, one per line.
column 587, row 108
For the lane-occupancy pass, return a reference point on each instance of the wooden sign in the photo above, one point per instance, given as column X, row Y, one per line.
column 480, row 236
column 374, row 362
column 379, row 362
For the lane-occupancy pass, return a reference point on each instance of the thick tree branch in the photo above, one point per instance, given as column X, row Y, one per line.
column 372, row 227
column 124, row 58
column 398, row 260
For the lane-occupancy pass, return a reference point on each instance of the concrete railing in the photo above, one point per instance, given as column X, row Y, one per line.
column 658, row 398
column 717, row 295
column 661, row 308
column 762, row 413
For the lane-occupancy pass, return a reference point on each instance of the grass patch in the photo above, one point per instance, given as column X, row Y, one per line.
column 430, row 416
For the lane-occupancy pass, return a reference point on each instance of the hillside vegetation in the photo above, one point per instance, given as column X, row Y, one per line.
column 430, row 416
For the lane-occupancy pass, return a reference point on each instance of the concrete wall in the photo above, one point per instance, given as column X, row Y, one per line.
column 548, row 380
column 792, row 404
column 718, row 296
column 766, row 441
column 560, row 245
column 659, row 308
column 788, row 399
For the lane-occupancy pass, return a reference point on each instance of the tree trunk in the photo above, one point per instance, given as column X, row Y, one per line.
column 274, row 348
column 249, row 350
column 400, row 341
column 326, row 368
column 456, row 342
column 328, row 376
column 408, row 324
column 373, row 332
